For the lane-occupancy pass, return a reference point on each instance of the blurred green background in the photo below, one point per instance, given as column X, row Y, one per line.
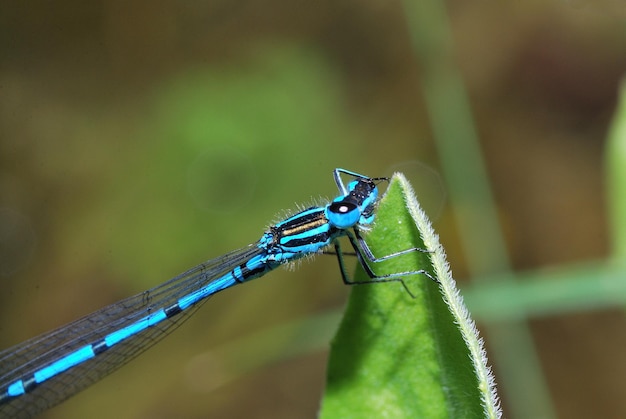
column 137, row 140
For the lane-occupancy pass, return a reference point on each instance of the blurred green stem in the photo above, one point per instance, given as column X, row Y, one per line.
column 545, row 292
column 616, row 177
column 511, row 342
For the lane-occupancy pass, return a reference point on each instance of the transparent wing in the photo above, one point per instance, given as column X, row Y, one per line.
column 23, row 360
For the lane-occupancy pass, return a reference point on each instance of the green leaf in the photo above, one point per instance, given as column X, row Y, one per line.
column 396, row 356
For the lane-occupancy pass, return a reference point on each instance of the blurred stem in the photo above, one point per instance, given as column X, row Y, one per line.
column 616, row 177
column 466, row 179
column 552, row 291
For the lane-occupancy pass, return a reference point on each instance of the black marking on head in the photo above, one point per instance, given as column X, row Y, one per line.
column 342, row 207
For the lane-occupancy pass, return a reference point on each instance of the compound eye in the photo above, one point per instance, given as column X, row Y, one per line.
column 343, row 214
